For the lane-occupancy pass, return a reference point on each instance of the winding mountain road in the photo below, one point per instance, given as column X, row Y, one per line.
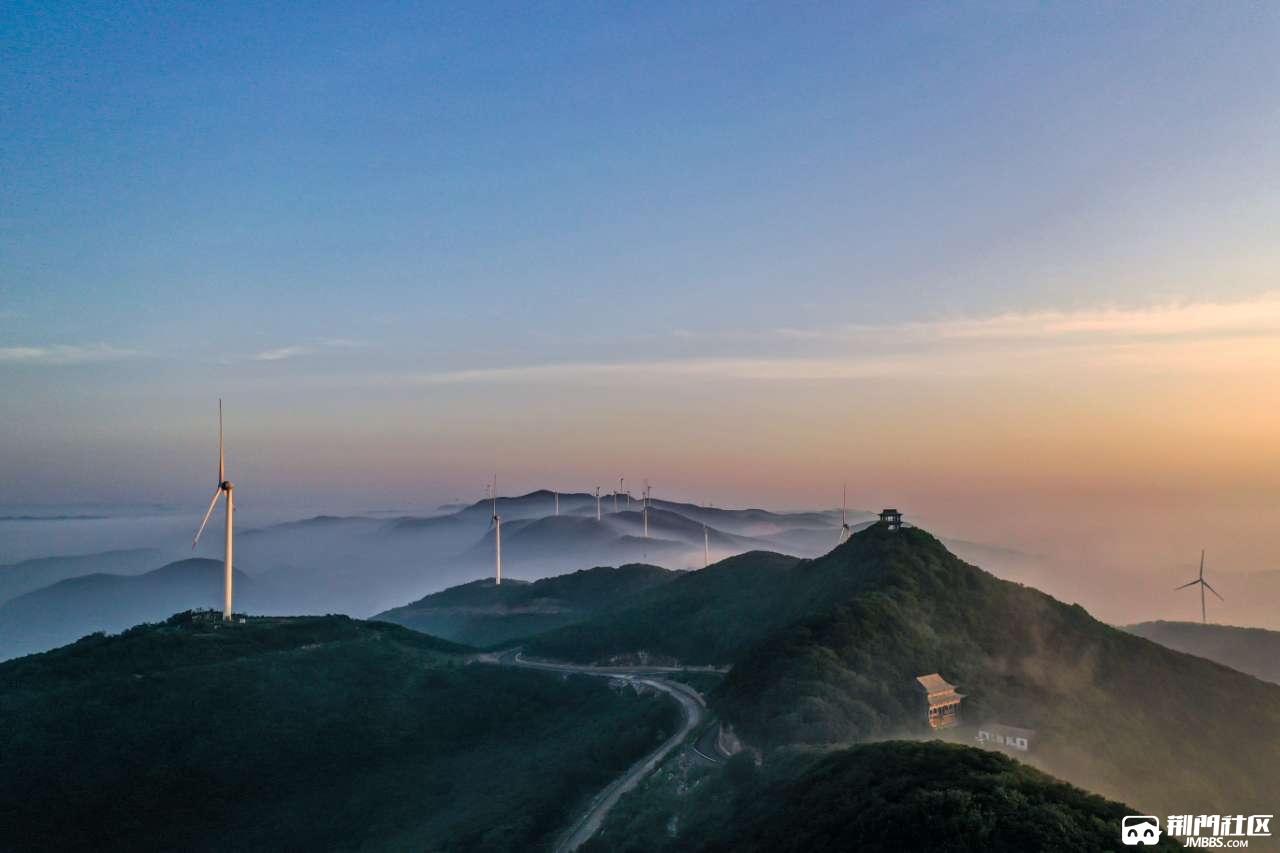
column 691, row 703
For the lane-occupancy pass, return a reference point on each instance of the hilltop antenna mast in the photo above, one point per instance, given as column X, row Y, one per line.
column 1204, row 584
column 224, row 487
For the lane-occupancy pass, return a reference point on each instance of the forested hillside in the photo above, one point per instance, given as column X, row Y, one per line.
column 317, row 733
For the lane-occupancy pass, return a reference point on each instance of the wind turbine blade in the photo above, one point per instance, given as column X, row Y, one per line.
column 222, row 473
column 1187, row 584
column 1201, row 562
column 1212, row 590
column 212, row 504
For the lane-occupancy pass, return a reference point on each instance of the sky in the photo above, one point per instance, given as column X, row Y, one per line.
column 1011, row 267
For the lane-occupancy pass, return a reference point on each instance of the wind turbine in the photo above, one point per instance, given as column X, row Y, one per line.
column 557, row 494
column 1204, row 584
column 845, row 530
column 598, row 503
column 706, row 547
column 224, row 487
column 496, row 521
column 645, row 506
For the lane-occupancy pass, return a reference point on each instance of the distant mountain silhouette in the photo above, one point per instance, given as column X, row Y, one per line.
column 28, row 575
column 361, row 564
column 72, row 608
column 1255, row 651
column 666, row 524
column 756, row 522
column 537, row 546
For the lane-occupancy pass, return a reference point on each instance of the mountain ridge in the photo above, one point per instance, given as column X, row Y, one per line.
column 910, row 607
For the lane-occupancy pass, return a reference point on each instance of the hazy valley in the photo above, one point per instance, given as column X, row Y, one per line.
column 798, row 659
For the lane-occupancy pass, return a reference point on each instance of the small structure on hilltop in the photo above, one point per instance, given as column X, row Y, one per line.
column 1009, row 737
column 942, row 699
column 891, row 517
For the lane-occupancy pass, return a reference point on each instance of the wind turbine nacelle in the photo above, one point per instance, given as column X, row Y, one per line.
column 226, row 486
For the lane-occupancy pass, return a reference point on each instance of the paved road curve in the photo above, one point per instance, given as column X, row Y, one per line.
column 691, row 704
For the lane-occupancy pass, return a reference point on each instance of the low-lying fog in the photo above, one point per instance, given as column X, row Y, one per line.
column 1121, row 563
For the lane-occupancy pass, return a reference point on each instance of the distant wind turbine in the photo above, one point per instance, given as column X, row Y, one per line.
column 645, row 509
column 597, row 503
column 557, row 494
column 845, row 530
column 706, row 547
column 497, row 533
column 1204, row 584
column 224, row 488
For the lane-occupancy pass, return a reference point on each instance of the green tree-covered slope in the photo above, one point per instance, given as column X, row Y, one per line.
column 1113, row 712
column 887, row 797
column 314, row 733
column 482, row 613
column 700, row 617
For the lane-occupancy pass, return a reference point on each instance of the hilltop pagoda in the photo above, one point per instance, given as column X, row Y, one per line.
column 942, row 699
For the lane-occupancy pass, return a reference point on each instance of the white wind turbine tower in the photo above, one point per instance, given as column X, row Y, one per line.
column 597, row 503
column 645, row 509
column 845, row 530
column 706, row 547
column 557, row 494
column 224, row 488
column 1204, row 584
column 497, row 534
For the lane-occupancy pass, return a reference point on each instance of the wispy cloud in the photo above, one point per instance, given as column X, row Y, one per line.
column 65, row 354
column 711, row 368
column 280, row 353
column 1185, row 337
column 1256, row 316
column 311, row 348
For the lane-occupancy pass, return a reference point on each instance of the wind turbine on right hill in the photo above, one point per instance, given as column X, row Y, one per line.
column 597, row 503
column 1204, row 584
column 845, row 530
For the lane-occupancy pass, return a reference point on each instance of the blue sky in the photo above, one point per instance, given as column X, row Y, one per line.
column 364, row 225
